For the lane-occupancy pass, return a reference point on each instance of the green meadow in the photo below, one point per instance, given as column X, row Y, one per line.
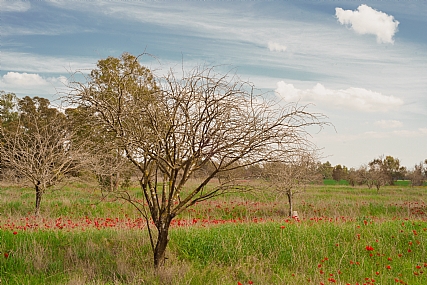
column 344, row 235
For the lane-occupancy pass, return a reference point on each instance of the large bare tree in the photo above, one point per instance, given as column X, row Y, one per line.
column 171, row 126
column 37, row 145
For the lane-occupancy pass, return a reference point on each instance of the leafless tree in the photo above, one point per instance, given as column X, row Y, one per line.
column 418, row 174
column 291, row 177
column 38, row 147
column 376, row 172
column 173, row 126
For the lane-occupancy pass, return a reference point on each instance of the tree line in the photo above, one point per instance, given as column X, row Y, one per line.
column 381, row 171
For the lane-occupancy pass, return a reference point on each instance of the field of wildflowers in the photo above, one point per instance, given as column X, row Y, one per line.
column 343, row 235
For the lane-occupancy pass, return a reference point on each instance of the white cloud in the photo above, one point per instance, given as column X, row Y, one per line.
column 14, row 6
column 273, row 46
column 352, row 98
column 23, row 79
column 388, row 124
column 369, row 21
column 31, row 83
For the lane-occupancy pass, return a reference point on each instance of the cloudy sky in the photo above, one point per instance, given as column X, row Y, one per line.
column 362, row 64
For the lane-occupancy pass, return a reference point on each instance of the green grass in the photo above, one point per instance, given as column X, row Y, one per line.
column 239, row 237
column 334, row 182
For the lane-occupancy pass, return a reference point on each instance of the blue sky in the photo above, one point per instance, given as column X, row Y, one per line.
column 362, row 64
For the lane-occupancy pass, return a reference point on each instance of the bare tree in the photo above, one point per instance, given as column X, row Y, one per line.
column 292, row 176
column 173, row 126
column 377, row 175
column 38, row 146
column 107, row 161
column 418, row 174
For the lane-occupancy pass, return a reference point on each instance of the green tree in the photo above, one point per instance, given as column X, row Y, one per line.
column 171, row 127
column 392, row 169
column 8, row 108
column 326, row 170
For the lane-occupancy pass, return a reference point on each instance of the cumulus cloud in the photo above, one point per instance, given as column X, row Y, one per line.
column 31, row 83
column 359, row 99
column 14, row 6
column 23, row 79
column 366, row 20
column 273, row 46
column 388, row 124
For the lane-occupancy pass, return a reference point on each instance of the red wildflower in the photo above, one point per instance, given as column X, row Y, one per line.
column 15, row 233
column 388, row 267
column 369, row 248
column 6, row 255
column 250, row 282
column 238, row 283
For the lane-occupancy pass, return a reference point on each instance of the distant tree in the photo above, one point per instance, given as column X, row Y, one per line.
column 418, row 175
column 326, row 169
column 377, row 174
column 392, row 169
column 364, row 176
column 337, row 173
column 171, row 127
column 291, row 177
column 354, row 178
column 38, row 145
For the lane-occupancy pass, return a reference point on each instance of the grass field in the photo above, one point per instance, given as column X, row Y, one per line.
column 345, row 235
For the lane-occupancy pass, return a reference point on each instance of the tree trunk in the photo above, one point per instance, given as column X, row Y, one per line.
column 161, row 244
column 39, row 194
column 289, row 194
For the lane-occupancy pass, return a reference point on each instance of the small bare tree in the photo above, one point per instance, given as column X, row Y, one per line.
column 171, row 127
column 292, row 176
column 377, row 175
column 38, row 146
column 418, row 174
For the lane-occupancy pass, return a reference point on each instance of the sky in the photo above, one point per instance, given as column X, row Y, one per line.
column 363, row 64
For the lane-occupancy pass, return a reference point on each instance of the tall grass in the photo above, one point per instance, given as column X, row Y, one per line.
column 236, row 238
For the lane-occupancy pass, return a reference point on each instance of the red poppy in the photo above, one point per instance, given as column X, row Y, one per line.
column 15, row 233
column 6, row 255
column 369, row 248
